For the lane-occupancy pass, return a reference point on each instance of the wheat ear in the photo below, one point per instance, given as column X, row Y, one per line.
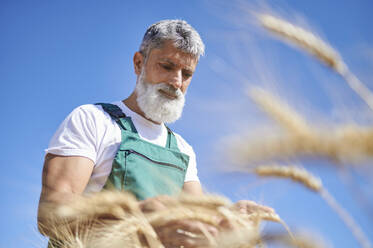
column 280, row 112
column 305, row 39
column 317, row 47
column 163, row 217
column 302, row 176
column 207, row 201
column 296, row 174
column 347, row 143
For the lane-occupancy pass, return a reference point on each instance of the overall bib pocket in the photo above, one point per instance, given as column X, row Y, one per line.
column 148, row 177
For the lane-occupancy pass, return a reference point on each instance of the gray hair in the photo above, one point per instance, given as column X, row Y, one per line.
column 184, row 36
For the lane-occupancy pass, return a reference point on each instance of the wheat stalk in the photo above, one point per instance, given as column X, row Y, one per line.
column 94, row 221
column 294, row 173
column 352, row 144
column 161, row 218
column 305, row 39
column 302, row 176
column 207, row 201
column 280, row 112
column 300, row 240
column 114, row 219
column 317, row 47
column 344, row 143
column 347, row 219
column 260, row 215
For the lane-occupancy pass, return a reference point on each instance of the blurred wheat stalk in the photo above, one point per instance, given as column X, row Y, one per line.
column 305, row 178
column 114, row 219
column 345, row 143
column 317, row 47
column 341, row 144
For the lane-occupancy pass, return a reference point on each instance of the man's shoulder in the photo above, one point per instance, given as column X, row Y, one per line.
column 90, row 109
column 86, row 109
column 90, row 112
column 183, row 145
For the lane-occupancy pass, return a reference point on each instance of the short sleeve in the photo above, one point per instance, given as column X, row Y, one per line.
column 191, row 173
column 76, row 136
column 184, row 147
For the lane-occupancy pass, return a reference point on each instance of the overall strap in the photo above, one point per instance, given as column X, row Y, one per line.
column 171, row 140
column 118, row 116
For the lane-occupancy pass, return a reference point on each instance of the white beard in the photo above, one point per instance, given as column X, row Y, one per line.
column 155, row 105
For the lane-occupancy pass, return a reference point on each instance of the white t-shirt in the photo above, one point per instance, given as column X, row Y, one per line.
column 90, row 132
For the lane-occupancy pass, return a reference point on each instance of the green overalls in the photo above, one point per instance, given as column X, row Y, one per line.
column 141, row 167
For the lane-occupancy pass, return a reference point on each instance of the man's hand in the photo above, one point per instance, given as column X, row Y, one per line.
column 180, row 233
column 186, row 233
column 245, row 207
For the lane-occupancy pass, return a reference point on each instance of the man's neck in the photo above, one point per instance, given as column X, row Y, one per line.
column 131, row 103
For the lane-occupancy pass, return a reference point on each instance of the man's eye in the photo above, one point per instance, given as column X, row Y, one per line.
column 166, row 67
column 187, row 75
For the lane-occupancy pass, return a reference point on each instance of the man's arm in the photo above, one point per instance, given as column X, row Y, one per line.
column 193, row 188
column 64, row 177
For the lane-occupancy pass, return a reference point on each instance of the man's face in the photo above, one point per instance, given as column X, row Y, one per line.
column 171, row 66
column 162, row 82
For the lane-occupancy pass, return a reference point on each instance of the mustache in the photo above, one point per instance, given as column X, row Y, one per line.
column 169, row 89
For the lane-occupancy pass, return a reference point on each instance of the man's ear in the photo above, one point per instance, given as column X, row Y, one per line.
column 138, row 62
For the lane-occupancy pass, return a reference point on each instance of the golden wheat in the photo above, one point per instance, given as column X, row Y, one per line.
column 341, row 144
column 112, row 219
column 301, row 240
column 96, row 221
column 208, row 201
column 280, row 112
column 260, row 215
column 305, row 39
column 118, row 204
column 161, row 218
column 317, row 47
column 302, row 176
column 294, row 173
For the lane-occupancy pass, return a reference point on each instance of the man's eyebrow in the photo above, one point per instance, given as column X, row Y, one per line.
column 168, row 61
column 189, row 69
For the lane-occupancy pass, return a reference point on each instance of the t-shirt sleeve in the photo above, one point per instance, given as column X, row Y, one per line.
column 76, row 136
column 191, row 173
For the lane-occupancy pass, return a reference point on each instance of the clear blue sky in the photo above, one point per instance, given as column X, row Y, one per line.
column 56, row 55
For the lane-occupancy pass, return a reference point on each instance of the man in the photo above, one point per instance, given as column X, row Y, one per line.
column 125, row 144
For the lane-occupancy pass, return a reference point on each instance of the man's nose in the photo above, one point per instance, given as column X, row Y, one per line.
column 176, row 80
